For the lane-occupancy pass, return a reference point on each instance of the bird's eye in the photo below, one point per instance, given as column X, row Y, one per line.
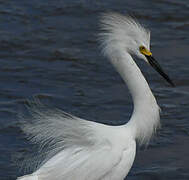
column 142, row 48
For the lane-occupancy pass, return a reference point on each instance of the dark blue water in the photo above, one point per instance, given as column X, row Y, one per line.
column 48, row 50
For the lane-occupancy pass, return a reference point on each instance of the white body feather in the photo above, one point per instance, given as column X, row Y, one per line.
column 85, row 150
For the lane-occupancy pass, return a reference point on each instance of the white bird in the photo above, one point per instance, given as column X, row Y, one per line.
column 84, row 150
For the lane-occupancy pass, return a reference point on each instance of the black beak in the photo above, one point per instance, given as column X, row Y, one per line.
column 158, row 68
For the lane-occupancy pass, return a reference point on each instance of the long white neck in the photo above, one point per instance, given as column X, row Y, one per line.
column 145, row 117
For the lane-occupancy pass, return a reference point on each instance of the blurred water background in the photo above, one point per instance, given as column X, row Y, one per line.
column 48, row 50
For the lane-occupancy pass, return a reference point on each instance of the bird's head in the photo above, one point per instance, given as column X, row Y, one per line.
column 125, row 34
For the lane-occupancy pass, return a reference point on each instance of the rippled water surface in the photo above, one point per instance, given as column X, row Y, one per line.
column 48, row 50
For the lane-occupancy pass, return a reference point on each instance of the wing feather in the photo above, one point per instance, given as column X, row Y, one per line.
column 91, row 163
column 74, row 148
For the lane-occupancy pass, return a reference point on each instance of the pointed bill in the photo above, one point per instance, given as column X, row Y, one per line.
column 158, row 68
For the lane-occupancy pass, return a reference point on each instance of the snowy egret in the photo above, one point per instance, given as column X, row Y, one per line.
column 85, row 150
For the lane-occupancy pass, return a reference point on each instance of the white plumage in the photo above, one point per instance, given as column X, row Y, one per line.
column 83, row 150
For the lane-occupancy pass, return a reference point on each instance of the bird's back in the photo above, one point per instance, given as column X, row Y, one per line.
column 91, row 151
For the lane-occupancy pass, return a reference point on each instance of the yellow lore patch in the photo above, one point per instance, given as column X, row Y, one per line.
column 145, row 51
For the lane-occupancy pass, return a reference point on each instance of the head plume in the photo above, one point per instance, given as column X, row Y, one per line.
column 122, row 33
